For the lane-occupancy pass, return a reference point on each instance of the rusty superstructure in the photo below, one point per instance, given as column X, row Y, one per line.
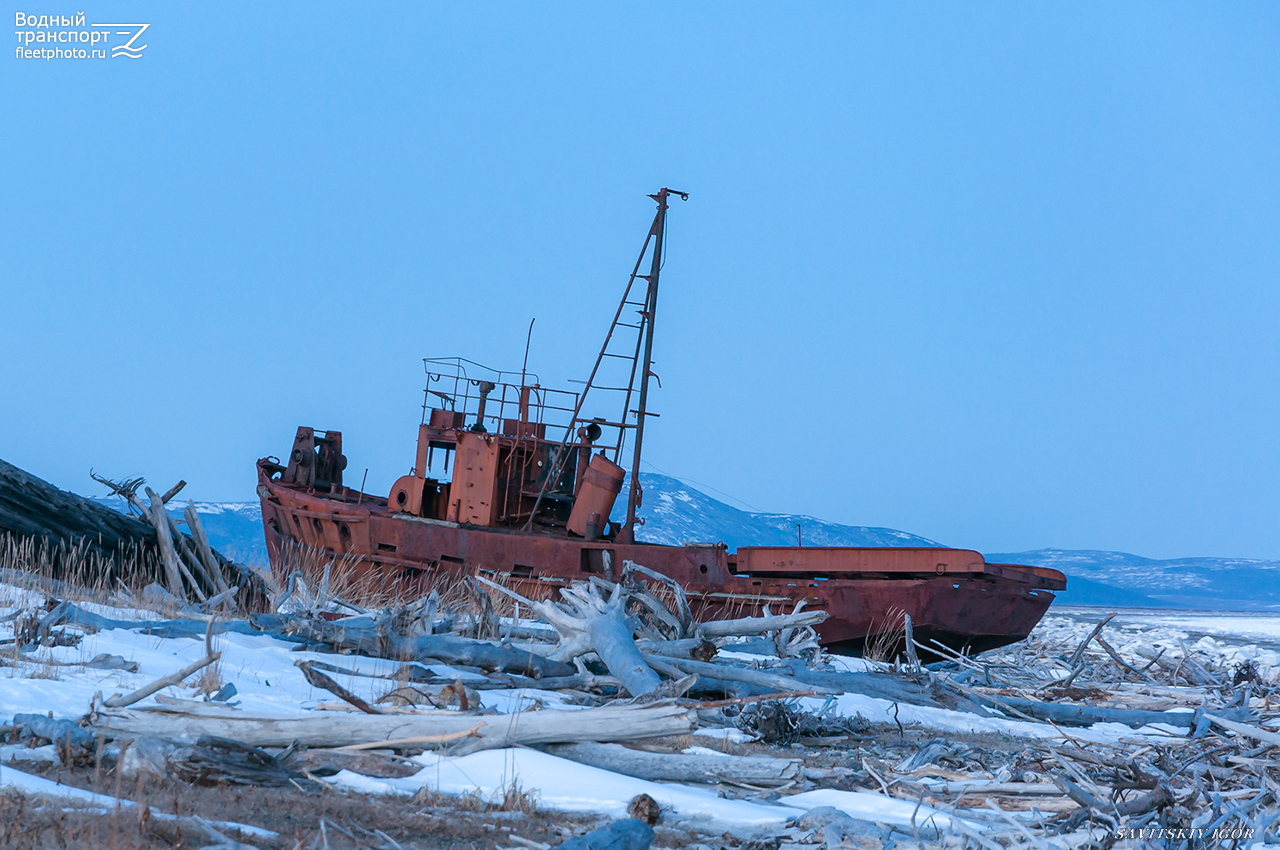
column 521, row 481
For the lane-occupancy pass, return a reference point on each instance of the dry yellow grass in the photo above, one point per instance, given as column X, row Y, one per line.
column 885, row 636
column 84, row 574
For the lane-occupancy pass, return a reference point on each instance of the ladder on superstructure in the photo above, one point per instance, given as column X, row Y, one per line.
column 636, row 362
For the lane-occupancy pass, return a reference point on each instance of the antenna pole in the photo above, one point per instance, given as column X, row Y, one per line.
column 528, row 339
column 627, row 534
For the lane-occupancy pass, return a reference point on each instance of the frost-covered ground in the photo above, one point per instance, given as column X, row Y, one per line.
column 262, row 668
column 267, row 682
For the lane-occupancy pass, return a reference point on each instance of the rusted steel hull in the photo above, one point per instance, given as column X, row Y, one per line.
column 529, row 476
column 952, row 595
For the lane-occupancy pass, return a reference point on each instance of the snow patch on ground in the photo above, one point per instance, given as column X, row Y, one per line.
column 565, row 786
column 571, row 787
column 1265, row 628
column 725, row 733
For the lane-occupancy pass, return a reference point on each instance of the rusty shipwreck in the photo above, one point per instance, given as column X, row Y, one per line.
column 519, row 481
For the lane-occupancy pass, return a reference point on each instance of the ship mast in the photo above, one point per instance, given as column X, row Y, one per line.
column 627, row 533
column 641, row 360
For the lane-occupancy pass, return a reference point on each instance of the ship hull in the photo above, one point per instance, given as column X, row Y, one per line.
column 952, row 596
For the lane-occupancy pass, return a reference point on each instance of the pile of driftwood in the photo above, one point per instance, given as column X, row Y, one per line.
column 635, row 688
column 1211, row 781
column 1050, row 744
column 194, row 571
column 1201, row 773
column 33, row 509
column 71, row 538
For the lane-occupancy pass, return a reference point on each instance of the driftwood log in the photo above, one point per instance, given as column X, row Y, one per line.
column 33, row 508
column 205, row 551
column 185, row 724
column 319, row 680
column 879, row 685
column 709, row 687
column 168, row 552
column 744, row 626
column 329, row 762
column 68, row 613
column 602, row 623
column 59, row 731
column 367, row 636
column 122, row 700
column 418, row 674
column 733, row 673
column 764, row 771
column 1083, row 715
column 218, row 761
column 698, row 649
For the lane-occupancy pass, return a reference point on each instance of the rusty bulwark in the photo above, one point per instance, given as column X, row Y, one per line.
column 970, row 606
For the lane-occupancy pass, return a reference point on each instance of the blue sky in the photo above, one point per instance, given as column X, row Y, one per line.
column 1003, row 275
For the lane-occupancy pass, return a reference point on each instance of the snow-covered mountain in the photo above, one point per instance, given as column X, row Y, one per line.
column 233, row 528
column 677, row 513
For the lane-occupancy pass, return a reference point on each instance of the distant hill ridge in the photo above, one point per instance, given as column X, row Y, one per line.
column 1239, row 584
column 677, row 513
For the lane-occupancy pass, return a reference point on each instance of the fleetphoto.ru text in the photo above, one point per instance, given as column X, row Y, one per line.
column 52, row 37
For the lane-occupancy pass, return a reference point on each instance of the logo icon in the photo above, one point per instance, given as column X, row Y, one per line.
column 134, row 31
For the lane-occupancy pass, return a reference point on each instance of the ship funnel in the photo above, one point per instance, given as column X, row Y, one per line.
column 600, row 488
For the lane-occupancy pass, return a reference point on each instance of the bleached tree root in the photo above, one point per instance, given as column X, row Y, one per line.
column 586, row 623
